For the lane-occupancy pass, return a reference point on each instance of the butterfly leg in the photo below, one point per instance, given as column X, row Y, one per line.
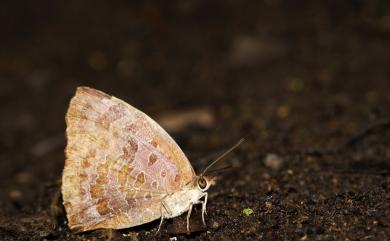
column 162, row 213
column 204, row 203
column 162, row 219
column 188, row 217
column 190, row 211
column 164, row 205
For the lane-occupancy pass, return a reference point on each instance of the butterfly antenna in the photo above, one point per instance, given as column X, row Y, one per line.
column 219, row 170
column 223, row 155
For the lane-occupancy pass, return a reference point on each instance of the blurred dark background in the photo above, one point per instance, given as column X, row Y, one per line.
column 287, row 75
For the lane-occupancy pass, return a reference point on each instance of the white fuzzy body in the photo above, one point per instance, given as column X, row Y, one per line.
column 180, row 202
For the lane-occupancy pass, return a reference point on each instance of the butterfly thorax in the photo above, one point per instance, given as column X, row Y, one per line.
column 179, row 202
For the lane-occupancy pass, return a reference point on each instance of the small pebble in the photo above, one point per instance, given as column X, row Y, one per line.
column 215, row 225
column 268, row 205
column 282, row 112
column 15, row 194
column 304, row 237
column 273, row 162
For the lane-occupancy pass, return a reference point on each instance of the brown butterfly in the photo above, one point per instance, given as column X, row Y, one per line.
column 122, row 169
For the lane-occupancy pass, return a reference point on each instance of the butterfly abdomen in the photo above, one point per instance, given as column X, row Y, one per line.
column 179, row 202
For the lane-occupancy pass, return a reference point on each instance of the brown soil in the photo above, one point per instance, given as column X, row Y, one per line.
column 289, row 77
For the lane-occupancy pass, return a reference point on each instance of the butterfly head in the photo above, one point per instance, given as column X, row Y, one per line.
column 203, row 183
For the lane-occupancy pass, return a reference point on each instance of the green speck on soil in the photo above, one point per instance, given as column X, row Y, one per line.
column 247, row 212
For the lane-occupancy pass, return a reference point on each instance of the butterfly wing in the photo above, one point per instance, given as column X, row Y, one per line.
column 120, row 164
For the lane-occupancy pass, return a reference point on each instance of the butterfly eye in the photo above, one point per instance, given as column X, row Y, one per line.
column 202, row 183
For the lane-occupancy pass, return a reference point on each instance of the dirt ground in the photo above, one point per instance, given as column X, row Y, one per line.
column 294, row 78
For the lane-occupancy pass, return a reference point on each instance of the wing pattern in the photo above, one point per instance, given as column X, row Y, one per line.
column 119, row 164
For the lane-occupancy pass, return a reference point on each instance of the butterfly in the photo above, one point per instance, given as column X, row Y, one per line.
column 122, row 169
